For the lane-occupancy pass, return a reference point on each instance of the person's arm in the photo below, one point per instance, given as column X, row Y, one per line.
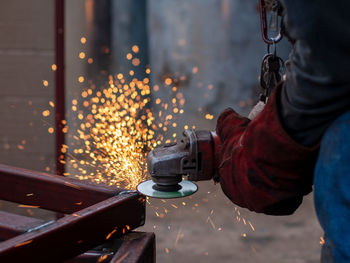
column 317, row 87
column 267, row 164
column 261, row 167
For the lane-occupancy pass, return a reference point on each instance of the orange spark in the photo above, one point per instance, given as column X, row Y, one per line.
column 29, row 206
column 24, row 243
column 111, row 233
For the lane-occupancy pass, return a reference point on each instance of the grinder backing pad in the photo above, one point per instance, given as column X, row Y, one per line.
column 149, row 188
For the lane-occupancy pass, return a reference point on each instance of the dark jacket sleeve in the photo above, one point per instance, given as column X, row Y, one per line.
column 261, row 167
column 317, row 87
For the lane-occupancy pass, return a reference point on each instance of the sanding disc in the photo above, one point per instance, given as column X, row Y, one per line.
column 187, row 188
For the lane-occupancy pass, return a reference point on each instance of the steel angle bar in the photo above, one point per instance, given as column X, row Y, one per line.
column 12, row 225
column 52, row 192
column 76, row 233
column 137, row 247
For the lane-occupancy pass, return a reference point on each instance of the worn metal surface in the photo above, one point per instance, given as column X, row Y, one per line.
column 130, row 248
column 12, row 225
column 137, row 247
column 92, row 257
column 52, row 192
column 78, row 232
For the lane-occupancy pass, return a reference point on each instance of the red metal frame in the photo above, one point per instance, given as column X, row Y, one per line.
column 132, row 248
column 133, row 244
column 59, row 84
column 136, row 247
column 60, row 194
column 12, row 225
column 95, row 214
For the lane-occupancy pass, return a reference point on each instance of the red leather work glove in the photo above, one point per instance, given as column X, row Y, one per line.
column 261, row 167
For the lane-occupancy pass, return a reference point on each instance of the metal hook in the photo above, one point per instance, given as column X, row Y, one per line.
column 274, row 44
column 263, row 22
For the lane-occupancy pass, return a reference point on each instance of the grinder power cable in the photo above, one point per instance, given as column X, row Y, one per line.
column 169, row 165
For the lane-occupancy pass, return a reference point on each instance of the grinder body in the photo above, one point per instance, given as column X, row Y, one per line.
column 194, row 156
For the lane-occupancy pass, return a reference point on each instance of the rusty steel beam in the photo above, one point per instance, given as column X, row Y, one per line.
column 78, row 232
column 130, row 248
column 92, row 257
column 52, row 192
column 12, row 225
column 135, row 243
column 137, row 247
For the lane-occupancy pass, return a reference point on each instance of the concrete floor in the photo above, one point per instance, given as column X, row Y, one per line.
column 204, row 228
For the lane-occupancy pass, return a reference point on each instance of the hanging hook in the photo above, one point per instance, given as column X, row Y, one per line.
column 274, row 45
column 263, row 22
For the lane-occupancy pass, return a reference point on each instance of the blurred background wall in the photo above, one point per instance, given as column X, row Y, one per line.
column 216, row 45
column 26, row 83
column 213, row 49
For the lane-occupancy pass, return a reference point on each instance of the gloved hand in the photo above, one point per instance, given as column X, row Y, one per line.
column 260, row 166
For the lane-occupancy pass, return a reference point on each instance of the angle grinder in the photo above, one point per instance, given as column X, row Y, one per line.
column 174, row 165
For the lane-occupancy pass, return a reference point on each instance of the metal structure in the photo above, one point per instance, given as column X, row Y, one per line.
column 264, row 25
column 59, row 84
column 94, row 215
